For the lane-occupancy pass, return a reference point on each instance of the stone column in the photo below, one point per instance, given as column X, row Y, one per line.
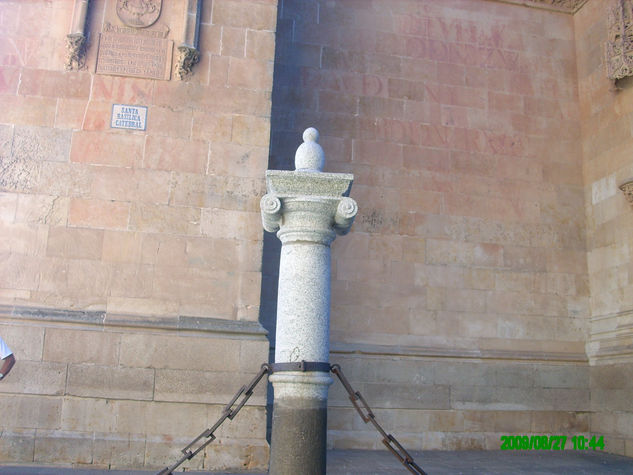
column 307, row 208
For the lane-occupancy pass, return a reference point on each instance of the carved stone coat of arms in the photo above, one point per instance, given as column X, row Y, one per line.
column 138, row 13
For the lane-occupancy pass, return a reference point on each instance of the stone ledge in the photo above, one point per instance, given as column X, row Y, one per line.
column 612, row 351
column 52, row 314
column 104, row 319
column 611, row 338
column 342, row 348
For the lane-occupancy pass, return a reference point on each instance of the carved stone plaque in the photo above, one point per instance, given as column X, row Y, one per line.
column 134, row 55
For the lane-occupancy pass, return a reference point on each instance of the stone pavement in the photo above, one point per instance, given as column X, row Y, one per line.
column 344, row 462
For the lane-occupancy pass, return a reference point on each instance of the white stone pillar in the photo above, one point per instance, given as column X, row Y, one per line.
column 307, row 208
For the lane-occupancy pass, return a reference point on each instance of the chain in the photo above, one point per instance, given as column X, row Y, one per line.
column 367, row 415
column 361, row 406
column 227, row 413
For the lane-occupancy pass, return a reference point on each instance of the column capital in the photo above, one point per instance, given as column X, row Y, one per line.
column 271, row 212
column 345, row 213
column 307, row 204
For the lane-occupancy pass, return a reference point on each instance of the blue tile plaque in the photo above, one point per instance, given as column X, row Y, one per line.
column 128, row 117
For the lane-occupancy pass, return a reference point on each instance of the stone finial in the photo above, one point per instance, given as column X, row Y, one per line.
column 309, row 155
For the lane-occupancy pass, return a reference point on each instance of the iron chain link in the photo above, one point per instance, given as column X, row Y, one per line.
column 227, row 413
column 367, row 415
column 359, row 403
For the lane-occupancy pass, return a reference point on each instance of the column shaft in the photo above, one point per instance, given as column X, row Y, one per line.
column 303, row 305
column 300, row 406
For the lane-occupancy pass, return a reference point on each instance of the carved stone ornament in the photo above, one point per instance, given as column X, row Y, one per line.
column 564, row 6
column 138, row 13
column 75, row 51
column 627, row 189
column 568, row 5
column 619, row 46
column 187, row 57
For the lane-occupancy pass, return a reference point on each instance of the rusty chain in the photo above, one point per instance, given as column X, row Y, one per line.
column 367, row 415
column 355, row 397
column 227, row 413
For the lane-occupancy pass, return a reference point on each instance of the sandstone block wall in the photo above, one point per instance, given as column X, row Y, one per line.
column 484, row 289
column 466, row 264
column 131, row 259
column 87, row 391
column 458, row 404
column 148, row 215
column 607, row 143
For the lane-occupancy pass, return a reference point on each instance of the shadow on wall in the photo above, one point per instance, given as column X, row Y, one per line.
column 292, row 109
column 288, row 104
column 268, row 308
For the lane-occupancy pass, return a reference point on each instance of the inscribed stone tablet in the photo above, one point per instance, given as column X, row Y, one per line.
column 134, row 55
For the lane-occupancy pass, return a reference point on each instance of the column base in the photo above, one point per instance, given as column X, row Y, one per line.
column 299, row 434
column 299, row 437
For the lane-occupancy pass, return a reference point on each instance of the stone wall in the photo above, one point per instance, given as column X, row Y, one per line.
column 131, row 259
column 605, row 111
column 484, row 288
column 460, row 298
column 92, row 390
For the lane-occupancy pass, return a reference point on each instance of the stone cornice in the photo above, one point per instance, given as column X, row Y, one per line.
column 564, row 6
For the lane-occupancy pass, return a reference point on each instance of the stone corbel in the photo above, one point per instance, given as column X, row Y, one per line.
column 619, row 46
column 627, row 189
column 188, row 53
column 76, row 39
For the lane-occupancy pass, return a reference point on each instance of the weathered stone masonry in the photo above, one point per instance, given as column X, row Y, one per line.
column 484, row 288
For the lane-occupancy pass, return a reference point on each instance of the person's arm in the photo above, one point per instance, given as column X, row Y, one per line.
column 7, row 364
